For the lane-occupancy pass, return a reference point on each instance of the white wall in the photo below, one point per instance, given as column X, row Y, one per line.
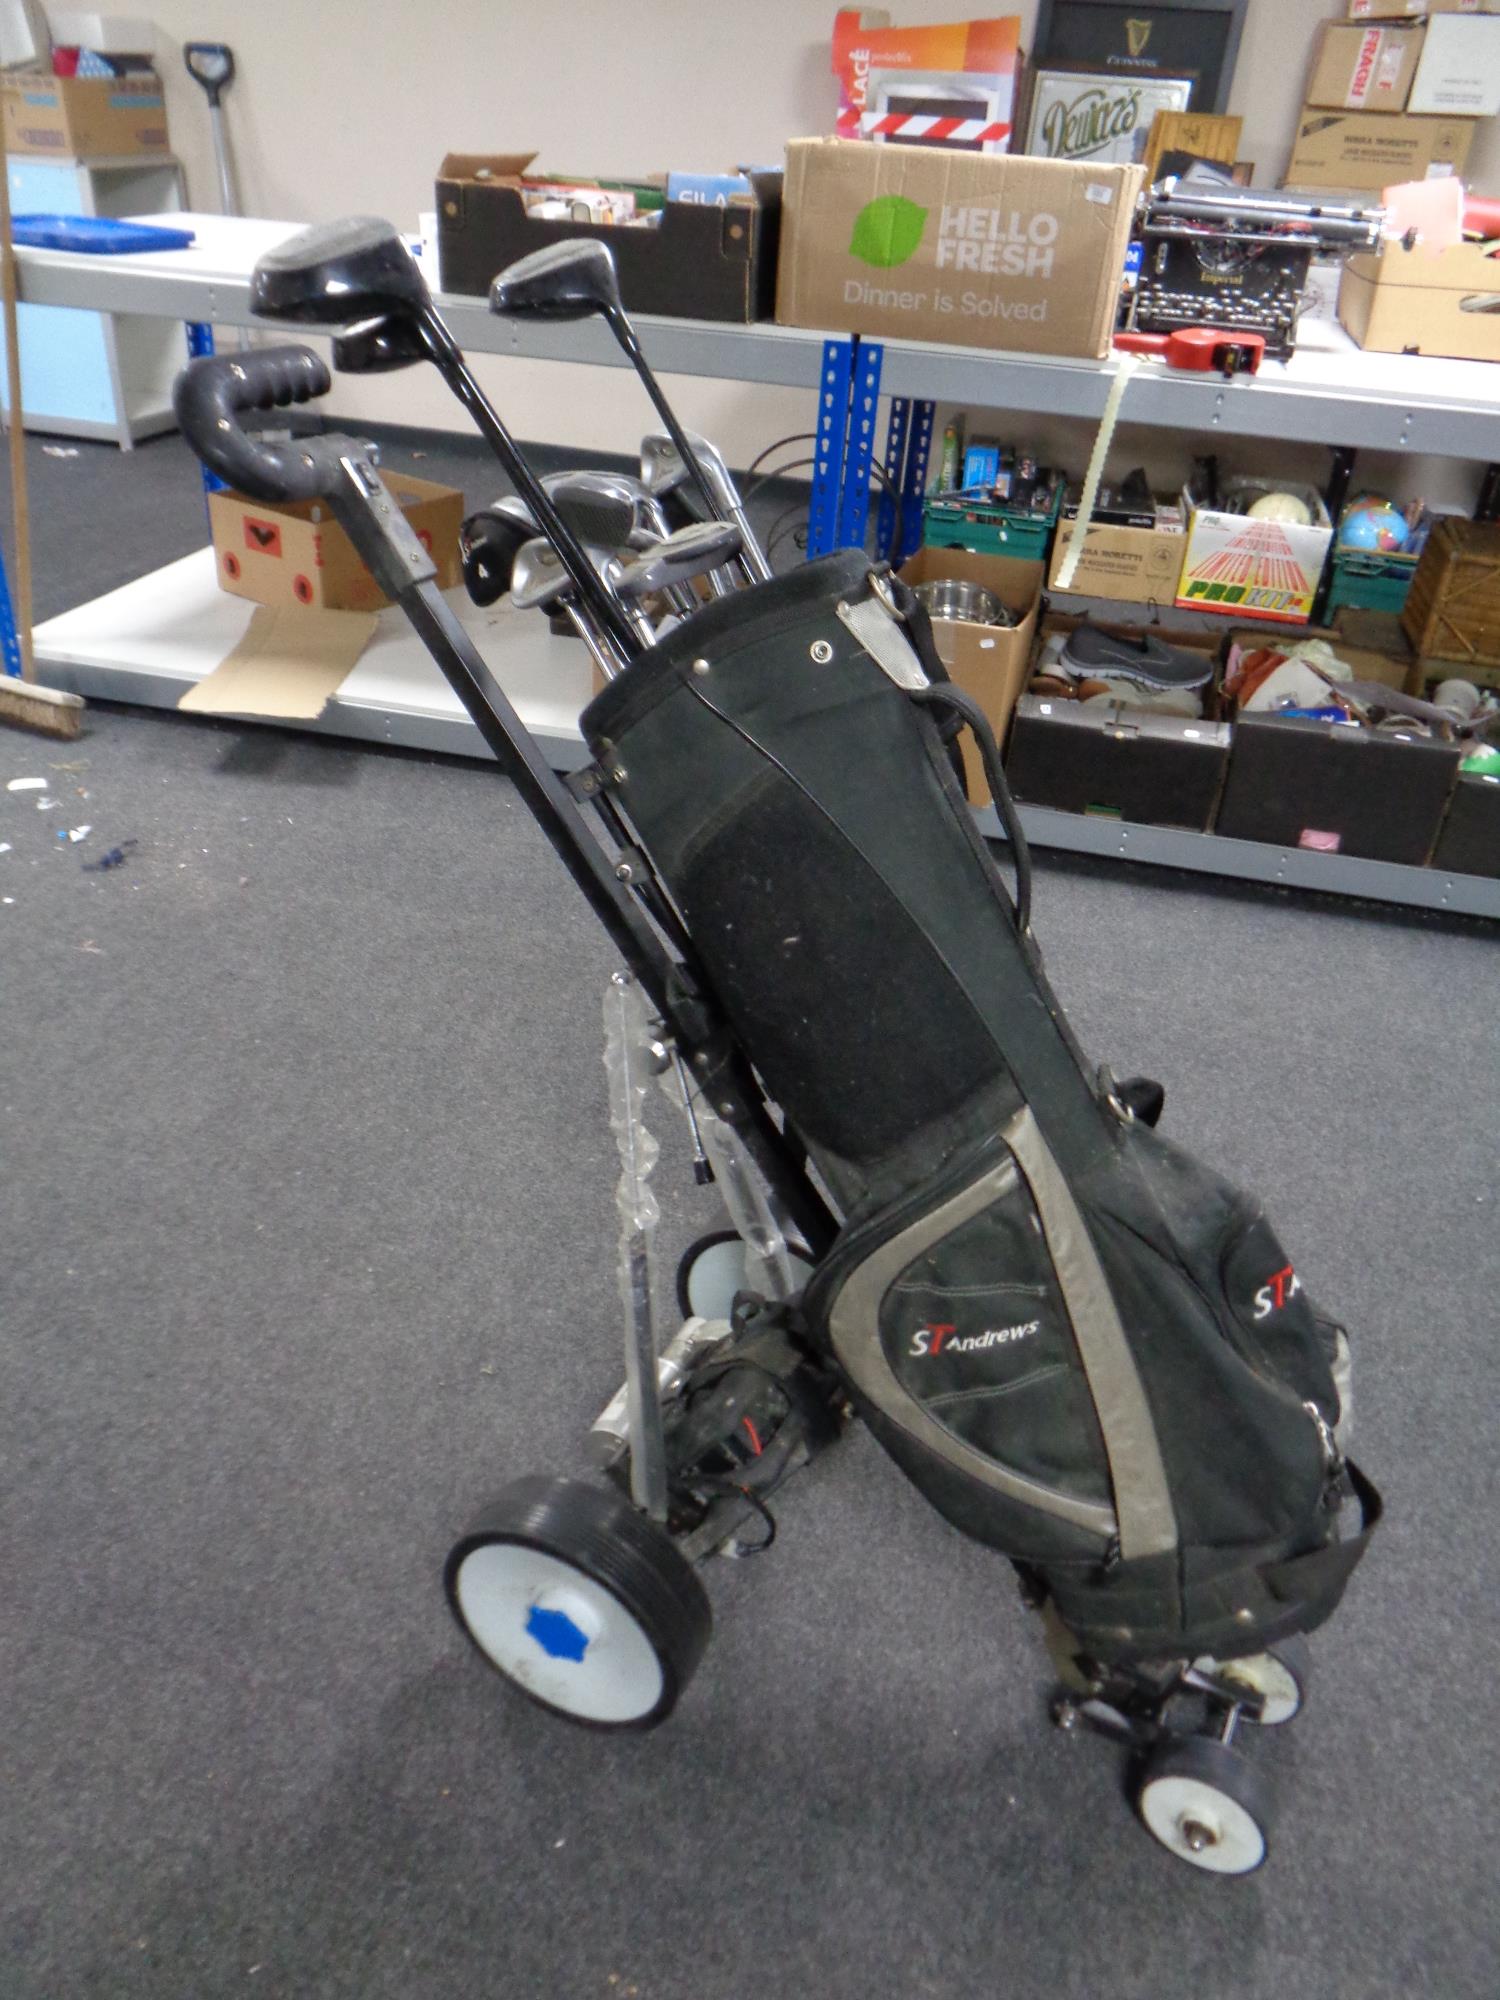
column 349, row 108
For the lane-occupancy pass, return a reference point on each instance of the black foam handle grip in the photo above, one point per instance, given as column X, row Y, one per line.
column 212, row 391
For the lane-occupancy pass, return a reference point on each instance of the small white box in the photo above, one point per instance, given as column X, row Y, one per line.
column 106, row 34
column 1458, row 72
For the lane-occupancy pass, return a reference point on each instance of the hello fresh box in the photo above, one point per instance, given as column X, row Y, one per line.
column 974, row 249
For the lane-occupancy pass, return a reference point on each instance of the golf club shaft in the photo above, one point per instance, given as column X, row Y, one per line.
column 625, row 334
column 605, row 657
column 601, row 602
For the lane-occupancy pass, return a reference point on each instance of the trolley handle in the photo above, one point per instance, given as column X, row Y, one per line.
column 211, row 392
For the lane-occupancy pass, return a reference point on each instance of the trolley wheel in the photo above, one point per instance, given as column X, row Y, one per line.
column 1280, row 1676
column 712, row 1269
column 1205, row 1804
column 580, row 1601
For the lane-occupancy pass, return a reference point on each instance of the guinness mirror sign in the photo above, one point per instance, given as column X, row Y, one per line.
column 1194, row 37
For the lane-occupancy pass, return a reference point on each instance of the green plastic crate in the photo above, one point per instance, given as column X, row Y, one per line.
column 1366, row 582
column 990, row 530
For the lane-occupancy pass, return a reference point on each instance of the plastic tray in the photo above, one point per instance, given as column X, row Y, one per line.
column 96, row 235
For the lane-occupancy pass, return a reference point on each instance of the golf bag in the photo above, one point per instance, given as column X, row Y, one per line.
column 1084, row 1348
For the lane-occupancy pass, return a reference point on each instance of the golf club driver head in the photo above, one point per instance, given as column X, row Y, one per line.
column 692, row 551
column 377, row 346
column 561, row 281
column 337, row 273
column 487, row 545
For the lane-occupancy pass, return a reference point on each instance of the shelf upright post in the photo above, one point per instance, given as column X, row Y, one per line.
column 835, row 380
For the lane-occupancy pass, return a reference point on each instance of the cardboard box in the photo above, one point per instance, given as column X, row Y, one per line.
column 700, row 262
column 1362, row 149
column 990, row 662
column 1364, row 68
column 299, row 555
column 1388, row 10
column 1256, row 569
column 964, row 71
column 1401, row 301
column 1136, row 565
column 1114, row 762
column 959, row 247
column 1336, row 788
column 84, row 117
column 1458, row 75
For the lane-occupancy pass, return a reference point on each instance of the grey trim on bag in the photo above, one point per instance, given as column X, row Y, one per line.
column 1143, row 1501
column 854, row 1330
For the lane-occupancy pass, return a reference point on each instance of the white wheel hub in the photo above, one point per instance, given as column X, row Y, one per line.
column 1203, row 1825
column 1265, row 1675
column 557, row 1633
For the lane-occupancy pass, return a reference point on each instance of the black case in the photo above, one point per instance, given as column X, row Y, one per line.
column 1469, row 843
column 1126, row 763
column 1382, row 797
column 701, row 262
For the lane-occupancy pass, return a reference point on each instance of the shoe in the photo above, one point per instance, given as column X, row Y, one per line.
column 1090, row 654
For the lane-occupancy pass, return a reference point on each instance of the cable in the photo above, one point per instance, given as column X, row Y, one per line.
column 797, row 437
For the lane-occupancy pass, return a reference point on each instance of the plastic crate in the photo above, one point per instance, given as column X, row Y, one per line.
column 1365, row 582
column 990, row 530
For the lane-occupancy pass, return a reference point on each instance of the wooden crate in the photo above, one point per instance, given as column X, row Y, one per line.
column 1452, row 610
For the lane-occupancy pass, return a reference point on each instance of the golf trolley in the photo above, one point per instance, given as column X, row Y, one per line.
column 1084, row 1348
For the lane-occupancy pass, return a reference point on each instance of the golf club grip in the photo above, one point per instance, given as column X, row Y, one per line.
column 212, row 391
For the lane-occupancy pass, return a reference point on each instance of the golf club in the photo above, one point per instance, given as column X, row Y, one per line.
column 659, row 457
column 377, row 346
column 540, row 582
column 571, row 280
column 487, row 545
column 614, row 509
column 694, row 551
column 341, row 273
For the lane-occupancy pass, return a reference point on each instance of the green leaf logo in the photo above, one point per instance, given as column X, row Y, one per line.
column 887, row 231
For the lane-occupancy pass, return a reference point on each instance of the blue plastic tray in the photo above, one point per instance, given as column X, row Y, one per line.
column 98, row 235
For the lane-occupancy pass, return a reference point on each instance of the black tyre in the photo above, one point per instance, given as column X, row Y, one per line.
column 1205, row 1804
column 580, row 1601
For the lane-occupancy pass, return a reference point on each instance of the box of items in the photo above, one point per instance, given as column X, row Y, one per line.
column 1116, row 762
column 299, row 554
column 1336, row 788
column 688, row 258
column 1135, row 563
column 84, row 117
column 1419, row 301
column 1458, row 74
column 1374, row 150
column 989, row 662
column 1259, row 553
column 1364, row 68
column 924, row 244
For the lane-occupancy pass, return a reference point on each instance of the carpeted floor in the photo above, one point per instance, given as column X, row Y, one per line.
column 308, row 1243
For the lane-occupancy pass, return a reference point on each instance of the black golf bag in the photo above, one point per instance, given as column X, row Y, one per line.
column 1086, row 1349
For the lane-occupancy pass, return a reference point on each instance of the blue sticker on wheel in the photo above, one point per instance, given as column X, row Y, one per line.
column 556, row 1634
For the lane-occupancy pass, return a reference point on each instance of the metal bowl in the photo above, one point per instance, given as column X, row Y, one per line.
column 953, row 597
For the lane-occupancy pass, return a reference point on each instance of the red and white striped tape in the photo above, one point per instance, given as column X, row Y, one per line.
column 903, row 125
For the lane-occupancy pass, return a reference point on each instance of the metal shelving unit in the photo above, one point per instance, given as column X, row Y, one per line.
column 1327, row 393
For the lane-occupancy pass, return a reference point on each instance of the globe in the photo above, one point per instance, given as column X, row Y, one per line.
column 1373, row 523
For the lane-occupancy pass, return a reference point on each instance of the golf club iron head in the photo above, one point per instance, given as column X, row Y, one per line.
column 694, row 551
column 337, row 273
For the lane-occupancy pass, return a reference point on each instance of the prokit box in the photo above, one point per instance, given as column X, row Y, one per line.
column 300, row 555
column 1265, row 569
column 968, row 248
